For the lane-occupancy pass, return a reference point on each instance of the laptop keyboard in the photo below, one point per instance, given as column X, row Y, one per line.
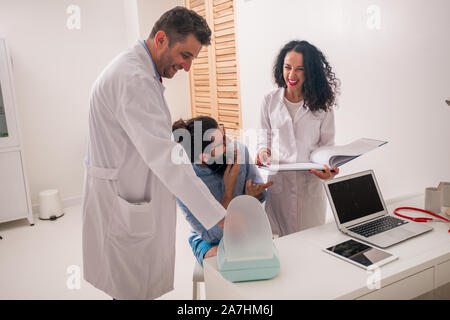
column 377, row 226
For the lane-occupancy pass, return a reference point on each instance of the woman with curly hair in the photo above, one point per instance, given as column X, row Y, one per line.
column 297, row 118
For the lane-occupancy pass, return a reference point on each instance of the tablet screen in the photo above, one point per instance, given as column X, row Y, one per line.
column 359, row 252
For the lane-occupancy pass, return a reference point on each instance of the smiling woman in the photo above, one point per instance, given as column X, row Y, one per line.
column 298, row 118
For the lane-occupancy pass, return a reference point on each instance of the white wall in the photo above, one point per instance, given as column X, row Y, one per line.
column 54, row 69
column 394, row 79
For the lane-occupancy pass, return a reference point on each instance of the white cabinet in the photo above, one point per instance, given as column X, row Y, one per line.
column 405, row 289
column 14, row 195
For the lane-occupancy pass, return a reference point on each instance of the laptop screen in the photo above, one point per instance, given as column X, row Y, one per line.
column 355, row 198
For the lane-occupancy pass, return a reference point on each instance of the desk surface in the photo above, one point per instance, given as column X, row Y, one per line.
column 307, row 272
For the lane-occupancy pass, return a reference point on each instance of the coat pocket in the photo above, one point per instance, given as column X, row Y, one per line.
column 137, row 217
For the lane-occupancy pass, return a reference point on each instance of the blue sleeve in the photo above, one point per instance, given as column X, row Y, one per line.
column 199, row 247
column 212, row 235
column 253, row 173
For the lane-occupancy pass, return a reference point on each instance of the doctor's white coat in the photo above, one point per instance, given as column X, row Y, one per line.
column 296, row 200
column 129, row 208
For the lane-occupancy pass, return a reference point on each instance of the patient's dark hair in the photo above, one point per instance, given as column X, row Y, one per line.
column 179, row 22
column 207, row 123
column 321, row 85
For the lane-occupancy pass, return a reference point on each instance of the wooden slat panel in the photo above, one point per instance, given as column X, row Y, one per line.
column 196, row 3
column 201, row 60
column 200, row 7
column 229, row 107
column 200, row 66
column 224, row 45
column 227, row 82
column 223, row 13
column 201, row 77
column 228, row 119
column 226, row 70
column 214, row 78
column 230, row 94
column 220, row 52
column 203, row 88
column 229, row 88
column 227, row 76
column 228, row 101
column 226, row 64
column 232, row 113
column 228, row 125
column 204, row 105
column 224, row 32
column 202, row 54
column 223, row 6
column 221, row 18
column 229, row 37
column 203, row 99
column 200, row 71
column 204, row 114
column 222, row 26
column 202, row 83
column 202, row 93
column 217, row 2
column 226, row 57
column 204, row 110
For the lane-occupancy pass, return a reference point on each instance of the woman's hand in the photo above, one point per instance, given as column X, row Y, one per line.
column 327, row 174
column 256, row 190
column 263, row 157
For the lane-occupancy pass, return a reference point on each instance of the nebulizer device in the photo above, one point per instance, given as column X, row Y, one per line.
column 246, row 251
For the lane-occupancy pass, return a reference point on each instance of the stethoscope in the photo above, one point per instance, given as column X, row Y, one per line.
column 420, row 219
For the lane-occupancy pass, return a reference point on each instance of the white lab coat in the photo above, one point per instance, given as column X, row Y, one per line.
column 129, row 208
column 296, row 201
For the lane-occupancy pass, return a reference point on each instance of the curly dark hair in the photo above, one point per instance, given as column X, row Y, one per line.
column 179, row 22
column 321, row 85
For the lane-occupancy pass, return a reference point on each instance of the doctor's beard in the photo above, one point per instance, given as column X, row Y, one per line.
column 169, row 68
column 218, row 167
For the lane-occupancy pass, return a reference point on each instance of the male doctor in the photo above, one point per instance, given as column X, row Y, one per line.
column 129, row 209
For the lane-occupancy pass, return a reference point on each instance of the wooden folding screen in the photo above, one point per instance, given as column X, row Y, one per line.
column 214, row 76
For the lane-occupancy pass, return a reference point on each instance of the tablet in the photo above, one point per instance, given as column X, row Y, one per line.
column 361, row 254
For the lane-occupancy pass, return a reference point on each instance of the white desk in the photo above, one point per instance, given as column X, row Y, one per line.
column 309, row 273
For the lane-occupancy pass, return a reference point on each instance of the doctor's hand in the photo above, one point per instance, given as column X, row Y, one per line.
column 221, row 223
column 229, row 179
column 327, row 174
column 212, row 252
column 263, row 157
column 256, row 190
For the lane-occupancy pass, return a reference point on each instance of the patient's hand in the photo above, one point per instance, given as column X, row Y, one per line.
column 211, row 252
column 256, row 190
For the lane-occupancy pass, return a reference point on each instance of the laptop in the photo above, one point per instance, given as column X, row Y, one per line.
column 360, row 212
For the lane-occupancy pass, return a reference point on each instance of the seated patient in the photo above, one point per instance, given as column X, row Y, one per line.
column 224, row 166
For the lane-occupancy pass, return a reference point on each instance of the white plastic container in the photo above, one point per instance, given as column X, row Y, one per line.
column 50, row 205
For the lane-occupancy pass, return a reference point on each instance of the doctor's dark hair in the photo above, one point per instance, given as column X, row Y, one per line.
column 321, row 85
column 207, row 123
column 179, row 22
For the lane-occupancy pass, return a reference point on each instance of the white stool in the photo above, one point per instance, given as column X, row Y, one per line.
column 50, row 207
column 197, row 277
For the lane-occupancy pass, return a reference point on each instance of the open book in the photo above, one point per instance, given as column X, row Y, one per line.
column 332, row 156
